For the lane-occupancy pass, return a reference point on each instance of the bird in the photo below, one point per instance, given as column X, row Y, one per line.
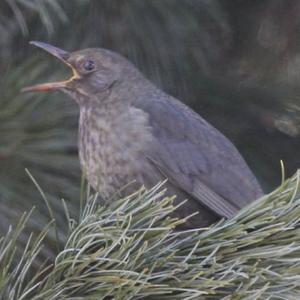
column 132, row 134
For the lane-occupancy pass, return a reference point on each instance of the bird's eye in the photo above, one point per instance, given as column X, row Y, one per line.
column 89, row 65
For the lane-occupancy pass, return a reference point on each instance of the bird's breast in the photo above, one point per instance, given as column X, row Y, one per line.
column 111, row 147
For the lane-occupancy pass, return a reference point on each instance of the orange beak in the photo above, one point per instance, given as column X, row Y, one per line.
column 52, row 86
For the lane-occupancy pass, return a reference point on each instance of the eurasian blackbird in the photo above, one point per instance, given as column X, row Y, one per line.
column 131, row 134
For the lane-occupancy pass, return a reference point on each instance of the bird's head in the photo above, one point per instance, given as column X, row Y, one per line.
column 95, row 71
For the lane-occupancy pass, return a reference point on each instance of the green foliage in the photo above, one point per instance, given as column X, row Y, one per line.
column 45, row 9
column 130, row 250
column 38, row 133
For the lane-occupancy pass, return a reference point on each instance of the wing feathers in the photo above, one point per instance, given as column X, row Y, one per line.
column 196, row 157
column 213, row 201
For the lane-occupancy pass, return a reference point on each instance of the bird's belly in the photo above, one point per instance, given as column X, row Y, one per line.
column 113, row 170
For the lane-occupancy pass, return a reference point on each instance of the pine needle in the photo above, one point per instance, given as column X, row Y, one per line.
column 130, row 250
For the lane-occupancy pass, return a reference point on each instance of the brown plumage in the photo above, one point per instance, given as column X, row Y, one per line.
column 130, row 131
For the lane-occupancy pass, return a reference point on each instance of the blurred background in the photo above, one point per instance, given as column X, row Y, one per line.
column 236, row 62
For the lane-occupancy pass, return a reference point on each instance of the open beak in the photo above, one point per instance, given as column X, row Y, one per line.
column 62, row 55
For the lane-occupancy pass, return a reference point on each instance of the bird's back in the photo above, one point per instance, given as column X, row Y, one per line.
column 198, row 160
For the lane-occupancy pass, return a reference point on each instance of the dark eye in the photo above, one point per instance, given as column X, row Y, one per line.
column 89, row 65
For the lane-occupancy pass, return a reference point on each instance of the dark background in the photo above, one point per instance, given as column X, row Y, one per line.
column 236, row 62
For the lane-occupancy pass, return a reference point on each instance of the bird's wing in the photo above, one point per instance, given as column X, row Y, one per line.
column 197, row 158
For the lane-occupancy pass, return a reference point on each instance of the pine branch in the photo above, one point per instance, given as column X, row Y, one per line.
column 130, row 250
